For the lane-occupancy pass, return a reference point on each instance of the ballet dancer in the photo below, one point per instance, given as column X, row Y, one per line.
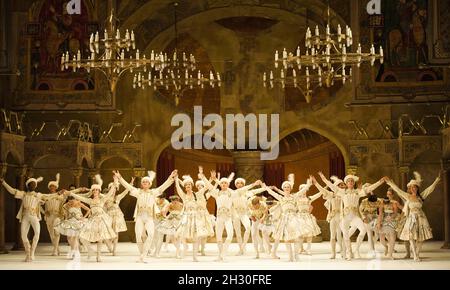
column 416, row 229
column 144, row 212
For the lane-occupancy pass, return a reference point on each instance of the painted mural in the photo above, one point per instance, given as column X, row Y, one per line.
column 54, row 33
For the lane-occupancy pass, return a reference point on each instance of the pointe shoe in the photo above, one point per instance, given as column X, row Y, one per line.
column 203, row 253
column 385, row 251
column 195, row 259
column 357, row 255
column 296, row 258
column 275, row 256
column 99, row 259
column 257, row 256
column 28, row 258
column 333, row 256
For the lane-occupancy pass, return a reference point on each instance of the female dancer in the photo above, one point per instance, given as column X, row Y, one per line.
column 350, row 200
column 98, row 227
column 189, row 228
column 144, row 212
column 333, row 204
column 160, row 204
column 308, row 223
column 369, row 213
column 258, row 209
column 172, row 216
column 205, row 219
column 288, row 228
column 387, row 225
column 416, row 229
column 271, row 217
column 224, row 203
column 113, row 209
column 72, row 224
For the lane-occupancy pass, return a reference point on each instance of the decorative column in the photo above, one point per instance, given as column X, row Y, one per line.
column 91, row 174
column 3, row 169
column 404, row 170
column 446, row 182
column 248, row 165
column 351, row 169
column 22, row 173
column 77, row 173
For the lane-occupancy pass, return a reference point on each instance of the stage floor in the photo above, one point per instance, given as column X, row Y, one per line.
column 433, row 257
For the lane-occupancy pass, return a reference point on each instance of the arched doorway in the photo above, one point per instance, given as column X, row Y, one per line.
column 305, row 152
column 186, row 161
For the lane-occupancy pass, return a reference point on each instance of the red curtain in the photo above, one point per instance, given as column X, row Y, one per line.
column 274, row 174
column 337, row 164
column 166, row 164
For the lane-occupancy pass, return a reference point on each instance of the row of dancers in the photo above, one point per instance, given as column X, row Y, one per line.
column 285, row 217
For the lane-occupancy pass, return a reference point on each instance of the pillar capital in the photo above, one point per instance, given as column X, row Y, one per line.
column 77, row 172
column 139, row 172
column 351, row 169
column 92, row 172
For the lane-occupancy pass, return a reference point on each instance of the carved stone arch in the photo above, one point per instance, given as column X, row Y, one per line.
column 324, row 132
column 109, row 157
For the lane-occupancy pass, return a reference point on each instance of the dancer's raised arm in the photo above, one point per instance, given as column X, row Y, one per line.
column 17, row 193
column 167, row 183
column 430, row 188
column 366, row 190
column 401, row 193
column 334, row 188
column 179, row 189
column 272, row 193
column 81, row 198
column 133, row 190
column 326, row 193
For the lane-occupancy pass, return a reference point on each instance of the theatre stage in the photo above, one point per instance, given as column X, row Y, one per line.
column 433, row 257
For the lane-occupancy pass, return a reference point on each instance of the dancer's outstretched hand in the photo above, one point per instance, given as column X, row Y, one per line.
column 174, row 174
column 200, row 170
column 132, row 180
column 117, row 173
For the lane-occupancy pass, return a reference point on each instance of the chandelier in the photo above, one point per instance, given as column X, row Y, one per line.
column 113, row 54
column 178, row 72
column 327, row 59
